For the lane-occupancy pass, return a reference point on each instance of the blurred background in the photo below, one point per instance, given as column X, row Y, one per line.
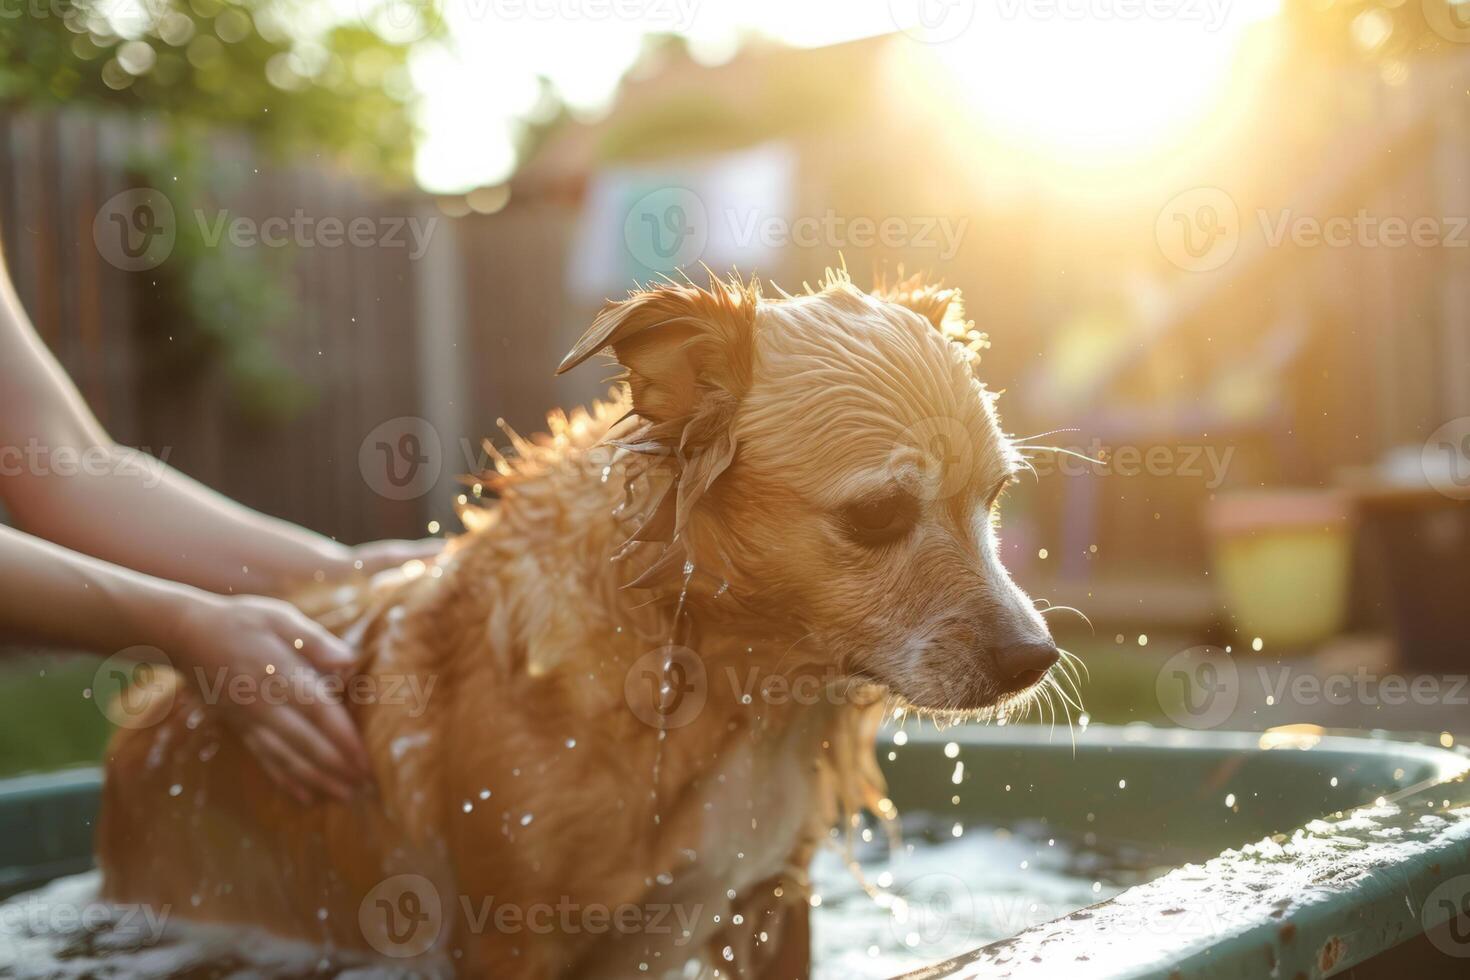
column 310, row 252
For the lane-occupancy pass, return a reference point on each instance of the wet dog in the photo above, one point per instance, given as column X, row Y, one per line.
column 659, row 658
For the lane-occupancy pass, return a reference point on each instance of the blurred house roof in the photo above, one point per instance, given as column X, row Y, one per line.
column 671, row 106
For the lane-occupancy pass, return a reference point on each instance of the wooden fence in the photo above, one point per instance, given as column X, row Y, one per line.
column 456, row 336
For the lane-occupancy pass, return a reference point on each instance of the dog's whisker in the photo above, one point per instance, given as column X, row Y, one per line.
column 1074, row 610
column 1075, row 662
column 1064, row 452
column 1041, row 435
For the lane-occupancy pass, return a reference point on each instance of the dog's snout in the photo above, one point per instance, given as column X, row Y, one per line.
column 1023, row 664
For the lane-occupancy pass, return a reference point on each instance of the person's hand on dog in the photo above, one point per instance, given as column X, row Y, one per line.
column 375, row 556
column 290, row 712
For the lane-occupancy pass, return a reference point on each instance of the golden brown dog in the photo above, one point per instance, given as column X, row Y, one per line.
column 606, row 781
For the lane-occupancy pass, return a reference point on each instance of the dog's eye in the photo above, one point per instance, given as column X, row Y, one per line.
column 881, row 520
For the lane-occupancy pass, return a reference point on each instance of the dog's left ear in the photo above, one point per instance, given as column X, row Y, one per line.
column 684, row 347
column 688, row 353
column 942, row 307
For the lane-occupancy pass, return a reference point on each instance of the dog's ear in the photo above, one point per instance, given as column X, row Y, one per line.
column 682, row 346
column 941, row 306
column 688, row 354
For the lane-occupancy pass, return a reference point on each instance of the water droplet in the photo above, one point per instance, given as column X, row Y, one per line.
column 175, row 789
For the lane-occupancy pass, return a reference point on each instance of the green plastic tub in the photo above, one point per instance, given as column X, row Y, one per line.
column 1294, row 854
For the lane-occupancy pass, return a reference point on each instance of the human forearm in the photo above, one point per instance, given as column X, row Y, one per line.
column 59, row 598
column 135, row 511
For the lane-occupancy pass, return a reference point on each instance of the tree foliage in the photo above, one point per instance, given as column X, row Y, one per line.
column 296, row 81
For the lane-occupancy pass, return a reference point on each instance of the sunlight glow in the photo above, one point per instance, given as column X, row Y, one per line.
column 1098, row 84
column 1101, row 77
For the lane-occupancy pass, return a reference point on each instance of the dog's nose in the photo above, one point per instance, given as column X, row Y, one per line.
column 1023, row 664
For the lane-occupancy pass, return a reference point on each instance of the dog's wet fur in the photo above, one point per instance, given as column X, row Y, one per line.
column 797, row 488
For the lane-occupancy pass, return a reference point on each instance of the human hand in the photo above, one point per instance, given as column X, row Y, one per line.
column 287, row 714
column 374, row 556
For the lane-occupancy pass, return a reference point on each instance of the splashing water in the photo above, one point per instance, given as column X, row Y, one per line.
column 942, row 896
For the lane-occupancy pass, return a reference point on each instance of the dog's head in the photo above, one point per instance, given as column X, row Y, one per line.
column 840, row 465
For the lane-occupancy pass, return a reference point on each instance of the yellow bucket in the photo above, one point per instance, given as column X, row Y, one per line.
column 1283, row 560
